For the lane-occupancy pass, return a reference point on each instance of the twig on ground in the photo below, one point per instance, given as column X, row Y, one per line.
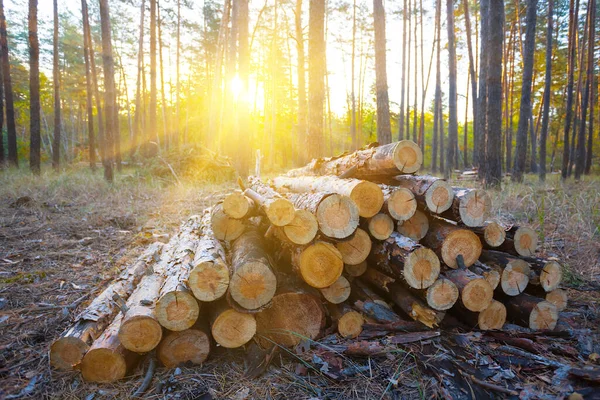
column 147, row 378
column 491, row 386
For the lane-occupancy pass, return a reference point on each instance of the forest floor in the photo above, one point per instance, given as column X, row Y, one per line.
column 64, row 236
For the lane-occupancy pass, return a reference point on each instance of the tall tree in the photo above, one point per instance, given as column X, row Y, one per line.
column 1, row 121
column 352, row 73
column 137, row 118
column 34, row 90
column 384, row 129
column 301, row 81
column 109, row 90
column 153, row 128
column 11, row 127
column 571, row 75
column 473, row 78
column 88, row 90
column 407, row 114
column 452, row 106
column 162, row 79
column 438, row 88
column 416, row 69
column 316, row 76
column 590, row 147
column 56, row 84
column 547, row 89
column 525, row 108
column 403, row 88
column 176, row 137
column 244, row 68
column 481, row 121
column 493, row 157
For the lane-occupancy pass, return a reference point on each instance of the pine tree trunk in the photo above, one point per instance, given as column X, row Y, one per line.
column 162, row 80
column 109, row 90
column 481, row 122
column 452, row 95
column 152, row 124
column 34, row 90
column 56, row 84
column 11, row 128
column 476, row 133
column 403, row 87
column 316, row 77
column 384, row 134
column 438, row 90
column 571, row 74
column 547, row 89
column 88, row 91
column 2, row 156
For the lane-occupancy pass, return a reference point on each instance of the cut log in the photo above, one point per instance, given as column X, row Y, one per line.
column 209, row 277
column 476, row 294
column 349, row 321
column 378, row 279
column 363, row 299
column 470, row 207
column 278, row 209
column 319, row 264
column 224, row 227
column 515, row 273
column 177, row 309
column 547, row 273
column 356, row 249
column 416, row 227
column 355, row 270
column 191, row 345
column 367, row 195
column 291, row 318
column 521, row 241
column 253, row 282
column 337, row 215
column 531, row 312
column 434, row 194
column 400, row 203
column 380, row 226
column 107, row 360
column 492, row 234
column 450, row 241
column 230, row 328
column 559, row 298
column 68, row 350
column 489, row 273
column 338, row 292
column 238, row 206
column 405, row 259
column 303, row 228
column 403, row 157
column 442, row 295
column 492, row 318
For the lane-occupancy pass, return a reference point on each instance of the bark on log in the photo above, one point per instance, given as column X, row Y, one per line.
column 191, row 345
column 319, row 264
column 253, row 283
column 355, row 270
column 558, row 297
column 367, row 195
column 210, row 274
column 405, row 259
column 470, row 207
column 224, row 227
column 476, row 294
column 349, row 322
column 238, row 206
column 515, row 273
column 520, row 241
column 531, row 312
column 492, row 318
column 68, row 350
column 400, row 203
column 363, row 299
column 380, row 226
column 278, row 209
column 416, row 227
column 450, row 241
column 403, row 157
column 303, row 228
column 490, row 273
column 356, row 249
column 107, row 360
column 434, row 194
column 336, row 215
column 338, row 292
column 231, row 328
column 548, row 272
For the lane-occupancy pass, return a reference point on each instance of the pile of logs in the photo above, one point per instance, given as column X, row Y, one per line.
column 356, row 243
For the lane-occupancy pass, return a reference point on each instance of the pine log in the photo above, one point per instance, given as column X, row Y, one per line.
column 548, row 272
column 476, row 294
column 230, row 328
column 338, row 292
column 416, row 227
column 355, row 270
column 492, row 234
column 367, row 195
column 492, row 274
column 442, row 295
column 491, row 318
column 177, row 309
column 209, row 277
column 400, row 203
column 356, row 249
column 107, row 360
column 349, row 322
column 365, row 300
column 68, row 350
column 520, row 241
column 434, row 194
column 319, row 264
column 336, row 215
column 450, row 241
column 403, row 258
column 303, row 228
column 191, row 345
column 515, row 273
column 470, row 207
column 559, row 298
column 531, row 312
column 278, row 209
column 380, row 226
column 238, row 206
column 253, row 282
column 403, row 157
column 224, row 227
column 378, row 279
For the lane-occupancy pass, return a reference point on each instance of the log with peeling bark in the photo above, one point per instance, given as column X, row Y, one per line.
column 355, row 270
column 470, row 207
column 450, row 241
column 476, row 294
column 356, row 249
column 400, row 203
column 210, row 274
column 107, row 360
column 303, row 228
column 434, row 194
column 532, row 312
column 370, row 304
column 403, row 157
column 367, row 195
column 238, row 206
column 493, row 317
column 253, row 283
column 380, row 226
column 68, row 350
column 416, row 227
column 223, row 226
column 403, row 258
column 492, row 234
column 231, row 328
column 177, row 309
column 349, row 322
column 514, row 272
column 279, row 210
column 337, row 215
column 319, row 264
column 338, row 292
column 189, row 346
column 490, row 273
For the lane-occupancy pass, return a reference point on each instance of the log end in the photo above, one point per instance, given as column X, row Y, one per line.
column 381, row 226
column 493, row 317
column 461, row 242
column 515, row 277
column 233, row 329
column 303, row 228
column 442, row 295
column 191, row 345
column 103, row 365
column 357, row 249
column 177, row 310
column 544, row 316
column 559, row 298
column 140, row 333
column 493, row 278
column 368, row 197
column 439, row 196
column 526, row 241
column 350, row 325
column 477, row 295
column 475, row 207
column 421, row 268
column 337, row 216
column 415, row 227
column 408, row 157
column 494, row 234
column 356, row 270
column 280, row 212
column 338, row 292
column 67, row 352
column 224, row 227
column 209, row 280
column 401, row 204
column 551, row 276
column 321, row 265
column 236, row 205
column 253, row 285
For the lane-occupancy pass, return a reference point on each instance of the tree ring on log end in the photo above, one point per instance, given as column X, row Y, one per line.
column 493, row 317
column 421, row 268
column 415, row 227
column 103, row 365
column 494, row 234
column 177, row 311
column 280, row 212
column 474, row 208
column 461, row 242
column 179, row 347
column 551, row 276
column 381, row 226
column 559, row 298
column 368, row 197
column 408, row 157
column 350, row 325
column 224, row 227
column 401, row 204
column 66, row 352
column 337, row 216
column 140, row 333
column 526, row 241
column 543, row 316
column 338, row 292
column 303, row 228
column 477, row 295
column 209, row 281
column 236, row 205
column 253, row 285
column 493, row 278
column 233, row 329
column 515, row 277
column 357, row 249
column 321, row 265
column 356, row 270
column 442, row 295
column 439, row 196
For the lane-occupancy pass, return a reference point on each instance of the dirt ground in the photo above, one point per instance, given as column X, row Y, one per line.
column 63, row 237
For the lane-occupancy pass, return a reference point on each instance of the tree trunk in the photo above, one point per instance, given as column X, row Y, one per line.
column 11, row 128
column 403, row 87
column 481, row 122
column 34, row 90
column 162, row 80
column 573, row 29
column 56, row 84
column 408, row 49
column 474, row 99
column 414, row 127
column 352, row 73
column 88, row 89
column 316, row 77
column 302, row 115
column 244, row 71
column 452, row 106
column 176, row 138
column 152, row 125
column 137, row 119
column 438, row 91
column 2, row 155
column 384, row 133
column 109, row 90
column 547, row 90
